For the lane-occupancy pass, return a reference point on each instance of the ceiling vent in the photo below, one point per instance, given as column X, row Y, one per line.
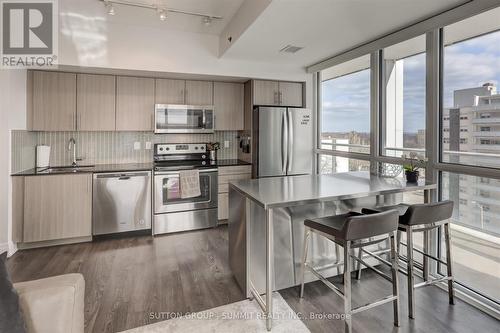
column 291, row 49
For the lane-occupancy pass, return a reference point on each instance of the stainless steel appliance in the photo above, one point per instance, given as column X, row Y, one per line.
column 121, row 202
column 285, row 141
column 171, row 212
column 175, row 118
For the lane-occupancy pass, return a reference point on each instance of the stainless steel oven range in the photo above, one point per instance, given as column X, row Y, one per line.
column 172, row 213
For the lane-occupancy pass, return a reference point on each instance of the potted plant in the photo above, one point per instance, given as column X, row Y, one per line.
column 212, row 148
column 411, row 167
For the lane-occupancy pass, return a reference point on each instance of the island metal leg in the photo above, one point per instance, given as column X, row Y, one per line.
column 269, row 269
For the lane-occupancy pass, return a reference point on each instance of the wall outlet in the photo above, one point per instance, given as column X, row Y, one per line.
column 226, row 144
column 148, row 145
column 137, row 145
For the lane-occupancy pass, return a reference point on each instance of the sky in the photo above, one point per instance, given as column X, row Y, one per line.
column 468, row 64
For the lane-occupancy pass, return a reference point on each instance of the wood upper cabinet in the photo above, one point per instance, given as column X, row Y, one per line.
column 96, row 102
column 135, row 99
column 291, row 93
column 228, row 105
column 265, row 92
column 57, row 207
column 278, row 93
column 53, row 101
column 199, row 93
column 170, row 91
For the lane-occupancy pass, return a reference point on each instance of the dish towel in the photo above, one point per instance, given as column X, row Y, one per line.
column 190, row 183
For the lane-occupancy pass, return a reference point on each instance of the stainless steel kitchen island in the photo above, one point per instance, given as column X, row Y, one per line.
column 266, row 224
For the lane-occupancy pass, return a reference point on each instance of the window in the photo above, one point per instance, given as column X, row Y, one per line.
column 475, row 231
column 471, row 74
column 404, row 113
column 345, row 107
column 329, row 164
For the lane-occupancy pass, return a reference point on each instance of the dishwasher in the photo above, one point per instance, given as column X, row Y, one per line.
column 121, row 202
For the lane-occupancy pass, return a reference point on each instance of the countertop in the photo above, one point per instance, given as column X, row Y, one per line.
column 297, row 190
column 100, row 168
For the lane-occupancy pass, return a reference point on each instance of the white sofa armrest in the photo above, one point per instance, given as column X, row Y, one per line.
column 54, row 304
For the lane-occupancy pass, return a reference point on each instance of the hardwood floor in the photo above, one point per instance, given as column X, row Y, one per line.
column 130, row 282
column 433, row 313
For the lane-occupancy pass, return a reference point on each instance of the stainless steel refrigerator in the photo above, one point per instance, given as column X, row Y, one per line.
column 285, row 141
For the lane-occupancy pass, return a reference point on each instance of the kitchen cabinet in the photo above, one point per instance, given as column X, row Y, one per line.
column 291, row 94
column 135, row 99
column 228, row 105
column 95, row 106
column 278, row 93
column 57, row 207
column 199, row 93
column 226, row 175
column 52, row 101
column 170, row 91
column 265, row 92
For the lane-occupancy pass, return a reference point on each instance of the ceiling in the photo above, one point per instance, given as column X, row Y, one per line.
column 148, row 17
column 327, row 27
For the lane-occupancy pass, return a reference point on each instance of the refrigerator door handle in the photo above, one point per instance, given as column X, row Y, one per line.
column 284, row 142
column 290, row 141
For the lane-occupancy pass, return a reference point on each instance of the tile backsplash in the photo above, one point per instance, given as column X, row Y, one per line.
column 107, row 147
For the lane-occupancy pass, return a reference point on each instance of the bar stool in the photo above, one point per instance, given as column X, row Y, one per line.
column 422, row 218
column 351, row 231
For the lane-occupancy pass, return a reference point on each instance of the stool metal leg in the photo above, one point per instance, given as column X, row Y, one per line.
column 449, row 263
column 395, row 281
column 347, row 287
column 307, row 235
column 411, row 284
column 425, row 258
column 398, row 242
column 360, row 256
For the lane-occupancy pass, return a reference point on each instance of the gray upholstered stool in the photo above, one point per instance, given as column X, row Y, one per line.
column 354, row 231
column 422, row 218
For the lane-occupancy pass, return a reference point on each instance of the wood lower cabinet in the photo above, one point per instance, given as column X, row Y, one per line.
column 96, row 102
column 199, row 93
column 228, row 106
column 57, row 207
column 52, row 101
column 135, row 102
column 226, row 175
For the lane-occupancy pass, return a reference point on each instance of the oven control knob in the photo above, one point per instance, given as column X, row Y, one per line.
column 161, row 149
column 167, row 148
column 196, row 148
column 202, row 148
column 203, row 163
column 203, row 156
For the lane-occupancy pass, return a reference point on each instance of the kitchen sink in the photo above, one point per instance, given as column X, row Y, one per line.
column 66, row 169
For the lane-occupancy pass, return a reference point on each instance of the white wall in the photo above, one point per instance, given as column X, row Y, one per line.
column 12, row 116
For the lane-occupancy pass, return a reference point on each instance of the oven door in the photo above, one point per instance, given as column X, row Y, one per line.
column 173, row 118
column 167, row 196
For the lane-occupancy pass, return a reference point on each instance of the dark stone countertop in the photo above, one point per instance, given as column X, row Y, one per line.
column 101, row 168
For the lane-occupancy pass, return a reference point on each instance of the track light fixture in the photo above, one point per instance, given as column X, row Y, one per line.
column 163, row 12
column 207, row 20
column 109, row 8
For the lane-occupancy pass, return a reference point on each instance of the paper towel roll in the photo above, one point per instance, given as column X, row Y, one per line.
column 42, row 156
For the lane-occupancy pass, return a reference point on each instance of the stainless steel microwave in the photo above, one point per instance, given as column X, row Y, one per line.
column 176, row 118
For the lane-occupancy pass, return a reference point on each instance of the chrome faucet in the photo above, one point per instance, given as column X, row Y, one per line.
column 72, row 146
